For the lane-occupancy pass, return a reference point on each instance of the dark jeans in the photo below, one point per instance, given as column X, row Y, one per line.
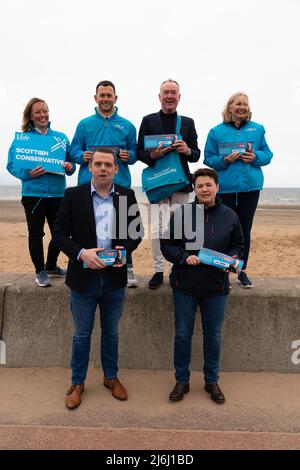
column 244, row 204
column 212, row 315
column 83, row 306
column 37, row 210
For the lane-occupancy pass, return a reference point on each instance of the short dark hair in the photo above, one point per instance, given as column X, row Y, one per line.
column 104, row 150
column 106, row 83
column 205, row 172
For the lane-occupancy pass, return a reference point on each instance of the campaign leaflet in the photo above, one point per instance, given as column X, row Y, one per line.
column 219, row 260
column 32, row 150
column 153, row 141
column 226, row 148
column 111, row 257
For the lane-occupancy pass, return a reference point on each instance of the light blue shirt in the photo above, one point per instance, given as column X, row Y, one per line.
column 103, row 213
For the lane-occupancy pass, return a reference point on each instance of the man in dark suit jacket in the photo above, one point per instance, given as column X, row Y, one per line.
column 164, row 122
column 93, row 217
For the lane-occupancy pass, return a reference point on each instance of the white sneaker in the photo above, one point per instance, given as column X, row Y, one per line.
column 131, row 279
column 42, row 279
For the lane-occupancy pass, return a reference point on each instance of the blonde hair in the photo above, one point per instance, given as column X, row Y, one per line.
column 226, row 113
column 27, row 113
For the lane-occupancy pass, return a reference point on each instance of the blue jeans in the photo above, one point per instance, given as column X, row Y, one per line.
column 212, row 316
column 83, row 307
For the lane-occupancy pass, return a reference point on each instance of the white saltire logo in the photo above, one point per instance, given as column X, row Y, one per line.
column 61, row 144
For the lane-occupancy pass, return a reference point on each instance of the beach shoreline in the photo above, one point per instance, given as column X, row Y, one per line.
column 275, row 244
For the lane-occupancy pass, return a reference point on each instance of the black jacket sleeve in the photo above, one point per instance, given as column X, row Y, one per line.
column 144, row 155
column 63, row 229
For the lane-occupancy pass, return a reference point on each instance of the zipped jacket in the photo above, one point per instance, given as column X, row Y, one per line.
column 96, row 131
column 222, row 232
column 238, row 176
column 47, row 185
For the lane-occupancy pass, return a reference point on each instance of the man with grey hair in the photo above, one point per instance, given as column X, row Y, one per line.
column 186, row 145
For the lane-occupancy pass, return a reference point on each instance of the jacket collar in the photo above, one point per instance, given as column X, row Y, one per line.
column 101, row 116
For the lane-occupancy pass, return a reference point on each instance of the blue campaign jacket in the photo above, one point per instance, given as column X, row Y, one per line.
column 96, row 131
column 238, row 176
column 47, row 185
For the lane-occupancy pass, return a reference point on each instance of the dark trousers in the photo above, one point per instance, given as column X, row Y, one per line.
column 37, row 210
column 244, row 204
column 83, row 307
column 212, row 315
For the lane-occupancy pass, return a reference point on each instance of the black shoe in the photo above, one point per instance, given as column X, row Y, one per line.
column 156, row 280
column 244, row 280
column 178, row 391
column 215, row 393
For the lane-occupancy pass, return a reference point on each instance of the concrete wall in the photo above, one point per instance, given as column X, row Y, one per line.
column 260, row 326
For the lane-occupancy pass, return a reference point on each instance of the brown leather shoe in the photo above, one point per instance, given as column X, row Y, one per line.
column 73, row 398
column 117, row 389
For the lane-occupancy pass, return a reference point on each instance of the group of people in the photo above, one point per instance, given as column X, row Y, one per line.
column 91, row 217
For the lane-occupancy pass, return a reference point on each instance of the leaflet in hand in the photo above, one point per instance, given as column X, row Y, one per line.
column 219, row 260
column 110, row 257
column 153, row 141
column 227, row 148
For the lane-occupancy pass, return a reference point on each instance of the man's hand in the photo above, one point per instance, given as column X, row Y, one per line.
column 181, row 147
column 192, row 260
column 38, row 171
column 160, row 152
column 87, row 155
column 124, row 155
column 90, row 258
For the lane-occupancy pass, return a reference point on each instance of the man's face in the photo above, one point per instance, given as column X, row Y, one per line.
column 169, row 97
column 103, row 169
column 106, row 99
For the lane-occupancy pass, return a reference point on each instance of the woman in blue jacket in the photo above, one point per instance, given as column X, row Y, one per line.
column 41, row 193
column 237, row 149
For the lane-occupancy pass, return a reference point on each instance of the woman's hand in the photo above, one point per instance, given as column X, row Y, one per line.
column 248, row 157
column 38, row 171
column 68, row 166
column 233, row 157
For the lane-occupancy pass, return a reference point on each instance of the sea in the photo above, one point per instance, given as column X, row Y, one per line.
column 268, row 196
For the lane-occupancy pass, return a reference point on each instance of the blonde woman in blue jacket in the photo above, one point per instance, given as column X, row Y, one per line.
column 237, row 149
column 41, row 193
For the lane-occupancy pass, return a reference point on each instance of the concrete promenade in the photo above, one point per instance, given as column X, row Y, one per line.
column 262, row 411
column 260, row 345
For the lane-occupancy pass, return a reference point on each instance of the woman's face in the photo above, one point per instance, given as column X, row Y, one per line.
column 40, row 115
column 206, row 190
column 239, row 108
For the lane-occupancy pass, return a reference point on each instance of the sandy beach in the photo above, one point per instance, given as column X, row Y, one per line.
column 275, row 249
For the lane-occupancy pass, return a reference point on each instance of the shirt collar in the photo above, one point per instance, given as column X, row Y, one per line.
column 93, row 190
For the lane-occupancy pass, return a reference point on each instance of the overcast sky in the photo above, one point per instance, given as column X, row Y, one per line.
column 60, row 50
